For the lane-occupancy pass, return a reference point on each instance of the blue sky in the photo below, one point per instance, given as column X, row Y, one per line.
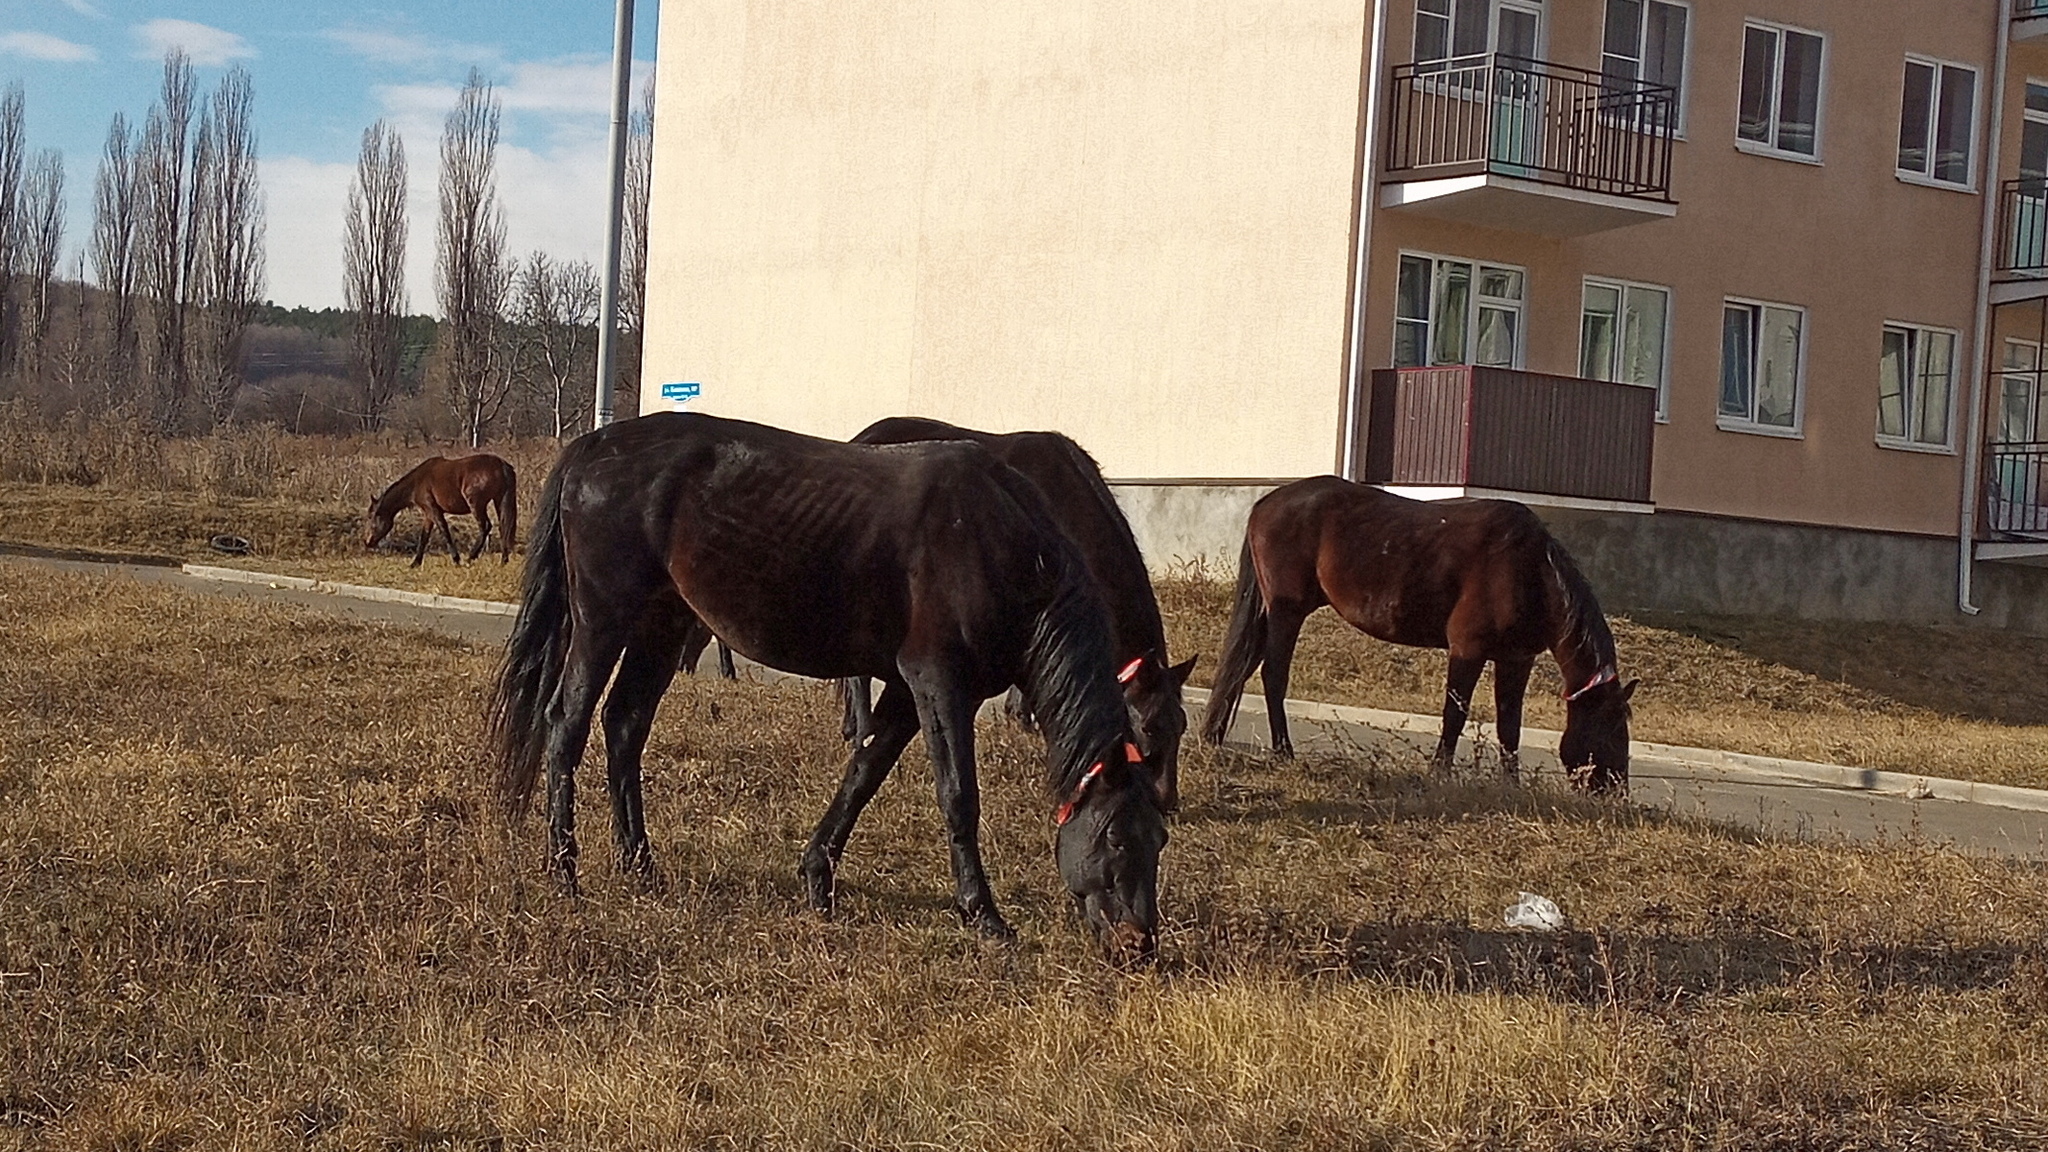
column 324, row 71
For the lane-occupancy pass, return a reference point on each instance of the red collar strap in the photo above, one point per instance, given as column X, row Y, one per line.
column 1606, row 675
column 1130, row 671
column 1066, row 810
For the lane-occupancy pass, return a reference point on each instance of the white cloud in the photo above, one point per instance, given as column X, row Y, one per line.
column 304, row 203
column 209, row 47
column 39, row 46
column 383, row 46
column 82, row 8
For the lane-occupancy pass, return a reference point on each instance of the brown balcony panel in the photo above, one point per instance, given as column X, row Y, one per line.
column 1512, row 431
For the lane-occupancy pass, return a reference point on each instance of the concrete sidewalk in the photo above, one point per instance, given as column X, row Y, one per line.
column 1783, row 798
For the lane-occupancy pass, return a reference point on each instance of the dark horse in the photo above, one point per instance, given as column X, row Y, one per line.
column 931, row 567
column 1482, row 578
column 444, row 486
column 1082, row 506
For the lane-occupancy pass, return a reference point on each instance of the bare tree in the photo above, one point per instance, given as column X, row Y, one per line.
column 469, row 265
column 160, row 172
column 113, row 251
column 39, row 227
column 633, row 266
column 557, row 313
column 12, row 148
column 373, row 267
column 225, row 262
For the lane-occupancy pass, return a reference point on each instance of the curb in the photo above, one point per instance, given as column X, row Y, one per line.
column 354, row 591
column 1834, row 776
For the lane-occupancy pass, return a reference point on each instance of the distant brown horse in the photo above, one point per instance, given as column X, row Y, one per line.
column 1481, row 578
column 445, row 486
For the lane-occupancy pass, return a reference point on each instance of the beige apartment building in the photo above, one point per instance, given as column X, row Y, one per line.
column 1746, row 296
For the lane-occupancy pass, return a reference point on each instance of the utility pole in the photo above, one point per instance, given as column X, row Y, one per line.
column 614, row 213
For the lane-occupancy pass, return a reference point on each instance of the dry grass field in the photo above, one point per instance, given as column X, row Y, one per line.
column 253, row 895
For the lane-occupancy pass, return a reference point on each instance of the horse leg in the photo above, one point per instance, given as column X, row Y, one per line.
column 645, row 672
column 857, row 722
column 1283, row 628
column 1510, row 683
column 437, row 520
column 1018, row 711
column 419, row 548
column 483, row 531
column 695, row 641
column 726, row 670
column 1464, row 677
column 894, row 723
column 948, row 716
column 593, row 651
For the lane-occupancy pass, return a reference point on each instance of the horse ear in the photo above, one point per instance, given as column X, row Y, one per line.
column 1183, row 670
column 1629, row 689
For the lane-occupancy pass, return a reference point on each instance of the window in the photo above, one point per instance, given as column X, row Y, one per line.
column 1621, row 334
column 1450, row 29
column 1780, row 99
column 1645, row 41
column 1915, row 372
column 1760, row 367
column 1450, row 311
column 1936, row 121
column 2019, row 413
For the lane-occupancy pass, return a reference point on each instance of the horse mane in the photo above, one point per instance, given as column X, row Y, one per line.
column 1067, row 681
column 1146, row 606
column 1585, row 626
column 399, row 491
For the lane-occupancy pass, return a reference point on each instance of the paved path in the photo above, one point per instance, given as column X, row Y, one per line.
column 1774, row 804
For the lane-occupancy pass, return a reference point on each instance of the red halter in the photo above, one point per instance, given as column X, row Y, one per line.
column 1605, row 675
column 1066, row 810
column 1130, row 671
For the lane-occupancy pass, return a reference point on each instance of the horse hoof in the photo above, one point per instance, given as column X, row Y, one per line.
column 817, row 887
column 989, row 923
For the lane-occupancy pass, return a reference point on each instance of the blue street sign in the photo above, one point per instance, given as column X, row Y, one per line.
column 681, row 393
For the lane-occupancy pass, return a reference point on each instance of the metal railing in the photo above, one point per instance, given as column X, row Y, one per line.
column 1511, row 116
column 2023, row 226
column 1514, row 431
column 2016, row 489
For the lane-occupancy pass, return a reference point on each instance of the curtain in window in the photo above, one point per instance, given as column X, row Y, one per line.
column 1893, row 365
column 1759, row 77
column 1737, row 361
column 1452, row 305
column 1599, row 325
column 1642, row 338
column 1799, row 95
column 1777, row 373
column 1952, row 125
column 1937, row 367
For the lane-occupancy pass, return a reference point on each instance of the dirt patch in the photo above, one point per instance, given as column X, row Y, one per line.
column 251, row 882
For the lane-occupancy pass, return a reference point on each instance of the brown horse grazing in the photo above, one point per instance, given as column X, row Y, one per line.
column 1482, row 578
column 444, row 486
column 1084, row 509
column 931, row 567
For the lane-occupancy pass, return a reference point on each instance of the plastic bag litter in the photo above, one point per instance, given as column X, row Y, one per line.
column 1533, row 911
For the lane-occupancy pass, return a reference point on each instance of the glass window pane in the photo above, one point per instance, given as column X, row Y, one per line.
column 1500, row 283
column 1432, row 37
column 1599, row 322
column 2016, row 414
column 1914, row 114
column 1411, row 299
column 1799, row 95
column 1469, row 30
column 1452, row 307
column 1897, row 353
column 1777, row 374
column 1737, row 360
column 2037, row 97
column 1410, row 338
column 1952, row 125
column 1496, row 337
column 1759, row 74
column 1624, row 36
column 1664, row 47
column 1642, row 338
column 2034, row 154
column 1937, row 356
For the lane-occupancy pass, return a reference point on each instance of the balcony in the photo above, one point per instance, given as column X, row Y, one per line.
column 1527, row 145
column 1435, row 433
column 2015, row 501
column 2029, row 19
column 2021, row 271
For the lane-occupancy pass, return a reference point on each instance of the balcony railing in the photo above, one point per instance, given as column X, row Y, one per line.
column 1512, row 431
column 2023, row 227
column 1544, row 122
column 2016, row 489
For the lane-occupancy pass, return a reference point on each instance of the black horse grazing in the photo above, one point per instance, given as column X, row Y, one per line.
column 931, row 567
column 1482, row 578
column 1082, row 506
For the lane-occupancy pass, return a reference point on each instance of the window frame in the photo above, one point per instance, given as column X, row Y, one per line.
column 1820, row 96
column 1684, row 109
column 1907, row 443
column 1750, row 425
column 1670, row 307
column 2006, row 372
column 1472, row 307
column 1539, row 8
column 1927, row 179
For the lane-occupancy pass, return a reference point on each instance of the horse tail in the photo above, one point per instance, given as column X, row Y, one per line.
column 508, row 511
column 534, row 655
column 1244, row 645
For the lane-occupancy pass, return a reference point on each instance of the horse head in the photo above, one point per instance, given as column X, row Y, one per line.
column 1109, row 836
column 1152, row 690
column 376, row 525
column 1594, row 747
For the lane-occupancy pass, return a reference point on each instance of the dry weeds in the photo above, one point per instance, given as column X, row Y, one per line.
column 252, row 895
